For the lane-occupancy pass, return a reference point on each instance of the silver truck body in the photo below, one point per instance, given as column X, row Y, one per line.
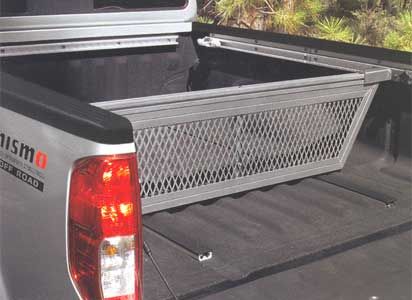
column 33, row 223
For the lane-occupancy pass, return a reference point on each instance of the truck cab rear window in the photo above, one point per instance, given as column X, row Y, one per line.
column 138, row 4
column 55, row 7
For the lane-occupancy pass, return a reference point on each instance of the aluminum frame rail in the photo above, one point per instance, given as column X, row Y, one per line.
column 90, row 45
column 397, row 71
column 309, row 126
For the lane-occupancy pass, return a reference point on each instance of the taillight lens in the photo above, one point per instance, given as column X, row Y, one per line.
column 105, row 246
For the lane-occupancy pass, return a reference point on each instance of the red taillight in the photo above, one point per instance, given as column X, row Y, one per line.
column 105, row 246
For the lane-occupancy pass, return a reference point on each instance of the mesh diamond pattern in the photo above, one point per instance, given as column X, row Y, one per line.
column 189, row 155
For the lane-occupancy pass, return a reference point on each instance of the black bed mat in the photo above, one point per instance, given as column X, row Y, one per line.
column 351, row 275
column 265, row 232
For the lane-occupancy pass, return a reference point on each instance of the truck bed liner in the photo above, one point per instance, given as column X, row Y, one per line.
column 264, row 232
column 351, row 275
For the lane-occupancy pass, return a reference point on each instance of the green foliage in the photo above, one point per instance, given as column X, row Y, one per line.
column 295, row 18
column 372, row 25
column 393, row 40
column 204, row 19
column 357, row 39
column 334, row 29
column 288, row 21
column 380, row 23
column 313, row 8
column 404, row 24
column 228, row 9
column 401, row 37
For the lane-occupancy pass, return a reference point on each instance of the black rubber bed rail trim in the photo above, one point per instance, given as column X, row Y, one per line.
column 332, row 46
column 63, row 112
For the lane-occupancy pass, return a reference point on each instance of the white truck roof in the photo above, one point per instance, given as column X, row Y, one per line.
column 122, row 22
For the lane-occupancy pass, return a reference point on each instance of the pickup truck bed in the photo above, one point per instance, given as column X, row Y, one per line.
column 296, row 237
column 293, row 240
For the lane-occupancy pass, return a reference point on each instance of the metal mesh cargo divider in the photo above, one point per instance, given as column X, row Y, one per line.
column 200, row 145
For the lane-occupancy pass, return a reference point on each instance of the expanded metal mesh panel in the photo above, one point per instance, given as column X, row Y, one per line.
column 189, row 155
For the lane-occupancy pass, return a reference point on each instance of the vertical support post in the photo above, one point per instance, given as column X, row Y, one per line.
column 238, row 148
